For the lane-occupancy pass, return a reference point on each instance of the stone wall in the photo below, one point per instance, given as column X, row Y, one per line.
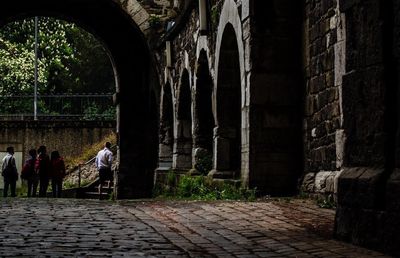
column 324, row 41
column 368, row 203
column 69, row 138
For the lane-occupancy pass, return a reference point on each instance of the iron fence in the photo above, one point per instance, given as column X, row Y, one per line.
column 58, row 107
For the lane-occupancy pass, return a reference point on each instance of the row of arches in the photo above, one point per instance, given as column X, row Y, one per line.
column 197, row 125
column 247, row 110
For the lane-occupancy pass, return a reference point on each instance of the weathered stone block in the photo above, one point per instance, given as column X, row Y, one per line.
column 324, row 182
column 308, row 183
column 225, row 132
column 182, row 161
column 221, row 153
column 357, row 187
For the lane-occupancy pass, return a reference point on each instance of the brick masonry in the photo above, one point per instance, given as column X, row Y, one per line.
column 90, row 228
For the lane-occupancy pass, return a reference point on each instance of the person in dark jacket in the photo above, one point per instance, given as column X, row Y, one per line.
column 9, row 172
column 57, row 173
column 28, row 173
column 42, row 168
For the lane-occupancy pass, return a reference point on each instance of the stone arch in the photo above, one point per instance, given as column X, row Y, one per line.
column 137, row 12
column 276, row 89
column 183, row 141
column 227, row 134
column 166, row 140
column 230, row 18
column 135, row 76
column 204, row 118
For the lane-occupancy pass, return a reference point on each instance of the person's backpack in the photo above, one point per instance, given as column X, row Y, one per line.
column 29, row 169
column 9, row 170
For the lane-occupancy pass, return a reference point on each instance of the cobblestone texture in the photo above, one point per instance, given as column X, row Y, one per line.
column 90, row 228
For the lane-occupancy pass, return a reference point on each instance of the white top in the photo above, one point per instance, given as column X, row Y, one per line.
column 5, row 161
column 104, row 159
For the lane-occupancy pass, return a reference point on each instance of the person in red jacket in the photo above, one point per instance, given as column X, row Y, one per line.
column 57, row 173
column 28, row 173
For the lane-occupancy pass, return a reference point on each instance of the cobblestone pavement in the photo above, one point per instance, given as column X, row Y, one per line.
column 90, row 228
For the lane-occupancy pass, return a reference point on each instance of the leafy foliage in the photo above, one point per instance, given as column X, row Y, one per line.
column 326, row 202
column 204, row 164
column 70, row 60
column 202, row 188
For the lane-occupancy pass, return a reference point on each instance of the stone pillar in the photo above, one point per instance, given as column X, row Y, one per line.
column 182, row 155
column 165, row 156
column 225, row 140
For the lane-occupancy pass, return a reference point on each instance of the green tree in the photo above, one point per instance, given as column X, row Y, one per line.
column 71, row 60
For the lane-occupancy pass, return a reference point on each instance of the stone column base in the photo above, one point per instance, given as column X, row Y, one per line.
column 217, row 174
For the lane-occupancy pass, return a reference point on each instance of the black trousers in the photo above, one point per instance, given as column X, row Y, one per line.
column 56, row 185
column 32, row 186
column 105, row 174
column 44, row 184
column 9, row 183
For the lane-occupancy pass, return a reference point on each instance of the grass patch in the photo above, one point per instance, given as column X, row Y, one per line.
column 326, row 202
column 202, row 188
column 89, row 152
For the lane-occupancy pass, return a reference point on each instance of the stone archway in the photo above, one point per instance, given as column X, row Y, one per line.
column 204, row 121
column 227, row 134
column 183, row 140
column 135, row 78
column 204, row 118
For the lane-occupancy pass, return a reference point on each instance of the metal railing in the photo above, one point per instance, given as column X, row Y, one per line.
column 58, row 107
column 84, row 165
column 80, row 170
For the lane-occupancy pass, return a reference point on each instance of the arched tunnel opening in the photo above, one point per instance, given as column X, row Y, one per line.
column 136, row 84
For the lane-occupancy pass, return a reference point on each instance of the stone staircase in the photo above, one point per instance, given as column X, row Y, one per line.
column 92, row 191
column 88, row 172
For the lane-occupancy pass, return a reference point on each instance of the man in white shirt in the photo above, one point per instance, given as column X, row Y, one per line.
column 9, row 172
column 103, row 163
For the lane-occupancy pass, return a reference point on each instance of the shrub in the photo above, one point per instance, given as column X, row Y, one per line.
column 203, row 188
column 204, row 164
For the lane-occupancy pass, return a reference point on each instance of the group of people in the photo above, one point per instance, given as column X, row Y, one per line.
column 38, row 170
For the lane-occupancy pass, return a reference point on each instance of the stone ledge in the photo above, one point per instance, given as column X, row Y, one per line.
column 358, row 187
column 323, row 182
